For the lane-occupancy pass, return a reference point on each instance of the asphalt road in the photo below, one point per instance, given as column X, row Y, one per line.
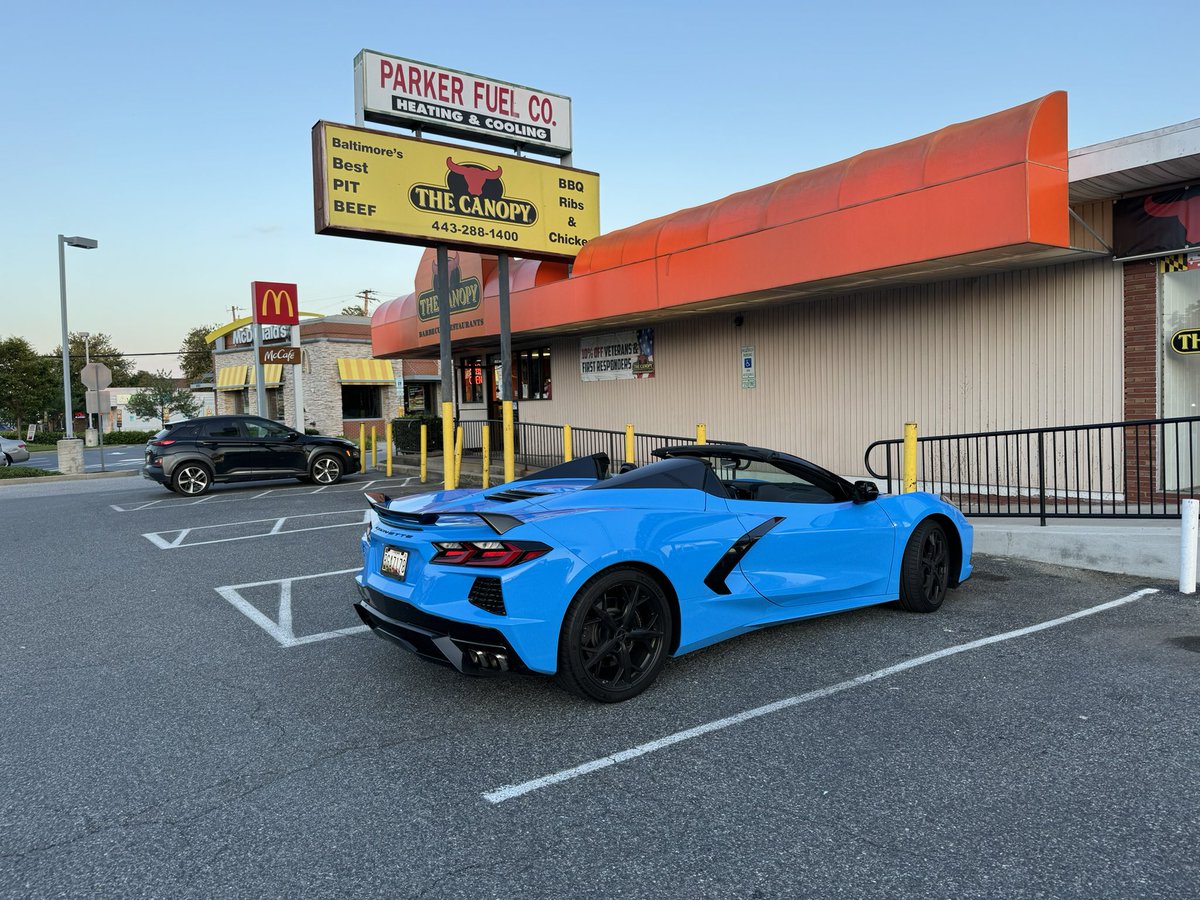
column 117, row 458
column 162, row 738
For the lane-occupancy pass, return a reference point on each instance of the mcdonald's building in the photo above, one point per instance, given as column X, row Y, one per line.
column 981, row 277
column 343, row 386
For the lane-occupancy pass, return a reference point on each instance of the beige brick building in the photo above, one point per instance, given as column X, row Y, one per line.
column 343, row 386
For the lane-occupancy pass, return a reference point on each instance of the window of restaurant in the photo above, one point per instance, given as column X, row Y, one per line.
column 533, row 374
column 471, row 382
column 361, row 401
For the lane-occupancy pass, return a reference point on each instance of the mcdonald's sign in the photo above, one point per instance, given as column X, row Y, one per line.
column 275, row 303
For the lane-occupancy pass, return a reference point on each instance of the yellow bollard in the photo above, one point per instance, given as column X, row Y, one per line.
column 448, row 445
column 424, row 450
column 510, row 467
column 567, row 457
column 457, row 454
column 487, row 455
column 629, row 443
column 388, row 435
column 701, row 433
column 362, row 444
column 374, row 458
column 910, row 457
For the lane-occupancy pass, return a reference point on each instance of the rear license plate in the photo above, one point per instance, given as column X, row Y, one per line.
column 395, row 562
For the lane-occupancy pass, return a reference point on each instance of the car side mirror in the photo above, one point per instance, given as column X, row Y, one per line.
column 864, row 492
column 293, row 435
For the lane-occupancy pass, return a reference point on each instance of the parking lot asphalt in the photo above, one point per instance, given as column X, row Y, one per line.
column 192, row 709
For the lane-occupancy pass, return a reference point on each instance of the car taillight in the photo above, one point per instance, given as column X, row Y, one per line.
column 487, row 554
column 166, row 443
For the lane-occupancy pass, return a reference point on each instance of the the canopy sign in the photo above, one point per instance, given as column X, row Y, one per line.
column 371, row 184
column 414, row 94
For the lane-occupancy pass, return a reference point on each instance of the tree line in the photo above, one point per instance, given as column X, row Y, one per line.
column 31, row 388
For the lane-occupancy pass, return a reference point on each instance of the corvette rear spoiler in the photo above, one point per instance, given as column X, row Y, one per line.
column 498, row 522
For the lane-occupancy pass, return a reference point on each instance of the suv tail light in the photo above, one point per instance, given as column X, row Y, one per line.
column 166, row 443
column 487, row 554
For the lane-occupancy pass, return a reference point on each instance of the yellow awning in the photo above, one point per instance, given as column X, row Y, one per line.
column 272, row 375
column 365, row 371
column 231, row 378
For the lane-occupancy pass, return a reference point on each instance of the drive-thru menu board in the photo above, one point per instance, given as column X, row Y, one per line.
column 372, row 184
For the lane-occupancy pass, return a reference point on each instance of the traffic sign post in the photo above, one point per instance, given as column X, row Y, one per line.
column 96, row 377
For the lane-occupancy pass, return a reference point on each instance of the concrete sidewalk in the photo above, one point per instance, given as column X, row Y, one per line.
column 1145, row 547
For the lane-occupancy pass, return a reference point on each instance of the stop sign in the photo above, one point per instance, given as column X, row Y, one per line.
column 96, row 376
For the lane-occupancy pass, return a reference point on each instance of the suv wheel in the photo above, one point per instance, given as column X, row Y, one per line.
column 327, row 469
column 192, row 479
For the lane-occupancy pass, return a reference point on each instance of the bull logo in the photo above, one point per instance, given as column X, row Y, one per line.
column 472, row 191
column 1186, row 211
column 476, row 177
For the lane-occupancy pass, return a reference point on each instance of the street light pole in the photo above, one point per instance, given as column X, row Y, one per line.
column 87, row 360
column 84, row 244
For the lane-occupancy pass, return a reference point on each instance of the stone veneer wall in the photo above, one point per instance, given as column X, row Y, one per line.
column 322, row 386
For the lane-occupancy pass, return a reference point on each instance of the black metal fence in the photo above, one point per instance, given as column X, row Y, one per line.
column 1118, row 470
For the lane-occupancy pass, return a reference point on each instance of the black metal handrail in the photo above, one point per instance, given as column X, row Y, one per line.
column 1137, row 469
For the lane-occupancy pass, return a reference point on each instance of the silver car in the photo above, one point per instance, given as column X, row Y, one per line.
column 12, row 451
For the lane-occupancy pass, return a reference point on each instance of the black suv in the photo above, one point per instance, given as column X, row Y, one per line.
column 188, row 457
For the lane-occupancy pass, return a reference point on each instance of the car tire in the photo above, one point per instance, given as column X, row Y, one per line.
column 191, row 479
column 925, row 569
column 326, row 469
column 615, row 636
column 4, row 460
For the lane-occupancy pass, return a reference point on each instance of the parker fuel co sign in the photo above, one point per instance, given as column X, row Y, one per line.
column 371, row 184
column 397, row 91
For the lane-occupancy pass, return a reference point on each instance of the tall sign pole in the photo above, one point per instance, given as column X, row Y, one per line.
column 506, row 405
column 442, row 285
column 260, row 390
column 298, row 383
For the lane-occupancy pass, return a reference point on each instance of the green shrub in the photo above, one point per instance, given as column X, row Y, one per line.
column 124, row 438
column 406, row 434
column 24, row 472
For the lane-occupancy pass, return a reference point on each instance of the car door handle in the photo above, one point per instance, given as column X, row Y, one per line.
column 206, row 443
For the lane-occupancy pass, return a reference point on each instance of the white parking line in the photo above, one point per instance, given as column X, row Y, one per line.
column 162, row 540
column 508, row 792
column 280, row 628
column 176, row 503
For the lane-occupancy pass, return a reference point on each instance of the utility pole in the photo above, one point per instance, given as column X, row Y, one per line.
column 233, row 313
column 365, row 294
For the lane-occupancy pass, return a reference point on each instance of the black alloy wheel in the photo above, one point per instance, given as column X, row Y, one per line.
column 191, row 479
column 925, row 570
column 615, row 637
column 327, row 469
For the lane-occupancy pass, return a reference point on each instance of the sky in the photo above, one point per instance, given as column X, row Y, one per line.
column 179, row 135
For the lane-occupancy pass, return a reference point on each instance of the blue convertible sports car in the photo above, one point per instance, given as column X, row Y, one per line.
column 599, row 579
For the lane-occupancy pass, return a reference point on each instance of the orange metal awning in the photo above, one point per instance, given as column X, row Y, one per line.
column 974, row 197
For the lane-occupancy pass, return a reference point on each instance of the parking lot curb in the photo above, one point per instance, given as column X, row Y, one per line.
column 43, row 479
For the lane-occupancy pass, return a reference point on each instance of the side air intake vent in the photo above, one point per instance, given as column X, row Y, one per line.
column 486, row 594
column 514, row 494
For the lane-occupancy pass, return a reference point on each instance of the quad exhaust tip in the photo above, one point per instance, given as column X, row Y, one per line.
column 488, row 659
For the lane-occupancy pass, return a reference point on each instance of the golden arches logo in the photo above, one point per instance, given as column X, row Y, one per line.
column 279, row 298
